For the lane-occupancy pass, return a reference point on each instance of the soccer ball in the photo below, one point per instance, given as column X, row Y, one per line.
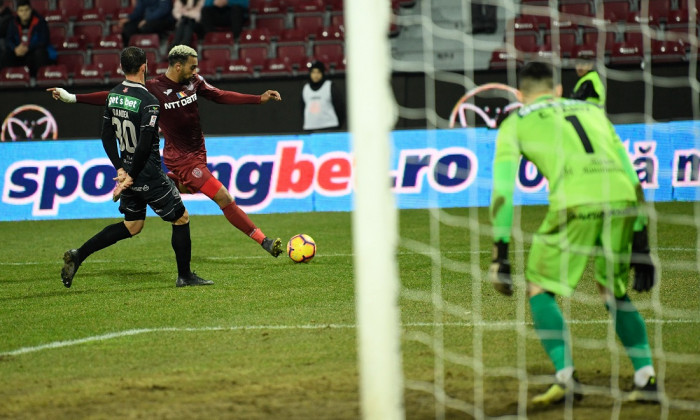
column 301, row 248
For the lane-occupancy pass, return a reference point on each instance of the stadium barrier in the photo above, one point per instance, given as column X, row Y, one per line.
column 302, row 173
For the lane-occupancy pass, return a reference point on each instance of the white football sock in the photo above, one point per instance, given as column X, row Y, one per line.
column 642, row 375
column 564, row 375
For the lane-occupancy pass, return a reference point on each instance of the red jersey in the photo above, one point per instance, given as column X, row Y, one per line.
column 179, row 112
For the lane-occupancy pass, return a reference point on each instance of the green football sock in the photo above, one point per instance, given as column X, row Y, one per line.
column 550, row 327
column 632, row 331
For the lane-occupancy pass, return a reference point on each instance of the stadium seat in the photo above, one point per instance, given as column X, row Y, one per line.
column 216, row 57
column 291, row 53
column 71, row 53
column 276, row 67
column 258, row 36
column 579, row 8
column 56, row 17
column 218, row 40
column 161, row 68
column 585, row 50
column 339, row 67
column 109, row 62
column 90, row 31
column 194, row 44
column 309, row 24
column 88, row 74
column 626, row 53
column 253, row 56
column 14, row 77
column 306, row 7
column 567, row 42
column 265, row 7
column 667, row 51
column 41, row 6
column 590, row 37
column 207, row 69
column 525, row 42
column 71, row 8
column 615, row 11
column 292, row 36
column 147, row 42
column 110, row 42
column 500, row 59
column 330, row 35
column 274, row 24
column 236, row 69
column 330, row 54
column 660, row 8
column 109, row 8
column 334, row 5
column 338, row 20
column 57, row 33
column 56, row 75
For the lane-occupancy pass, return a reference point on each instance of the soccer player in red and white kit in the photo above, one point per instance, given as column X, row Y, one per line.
column 185, row 154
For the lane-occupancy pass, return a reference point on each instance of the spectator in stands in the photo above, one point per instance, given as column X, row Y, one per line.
column 589, row 86
column 322, row 104
column 27, row 41
column 187, row 13
column 224, row 13
column 148, row 17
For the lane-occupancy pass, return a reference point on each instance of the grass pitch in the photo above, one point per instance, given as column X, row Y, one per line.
column 276, row 340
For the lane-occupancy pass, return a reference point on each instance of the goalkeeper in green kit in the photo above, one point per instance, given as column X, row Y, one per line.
column 594, row 210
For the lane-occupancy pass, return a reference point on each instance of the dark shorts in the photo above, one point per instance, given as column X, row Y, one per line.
column 162, row 197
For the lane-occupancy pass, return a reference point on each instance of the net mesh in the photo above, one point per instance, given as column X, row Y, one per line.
column 468, row 350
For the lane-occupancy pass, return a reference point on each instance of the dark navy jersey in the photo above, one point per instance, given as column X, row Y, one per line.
column 131, row 121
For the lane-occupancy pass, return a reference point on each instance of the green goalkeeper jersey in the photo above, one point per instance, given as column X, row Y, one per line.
column 574, row 145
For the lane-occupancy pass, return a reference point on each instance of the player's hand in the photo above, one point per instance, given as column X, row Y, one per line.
column 126, row 183
column 499, row 272
column 62, row 95
column 270, row 94
column 642, row 263
column 121, row 176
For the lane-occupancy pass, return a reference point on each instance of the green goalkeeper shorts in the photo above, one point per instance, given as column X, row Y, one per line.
column 568, row 238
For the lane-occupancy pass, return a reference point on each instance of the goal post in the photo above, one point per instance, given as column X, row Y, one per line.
column 371, row 118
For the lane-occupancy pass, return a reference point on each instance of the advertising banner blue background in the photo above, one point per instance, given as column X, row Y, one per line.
column 302, row 173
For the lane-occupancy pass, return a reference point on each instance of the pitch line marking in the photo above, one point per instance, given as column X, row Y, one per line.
column 127, row 333
column 320, row 255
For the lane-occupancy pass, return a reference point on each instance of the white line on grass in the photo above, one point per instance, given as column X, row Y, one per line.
column 320, row 255
column 126, row 333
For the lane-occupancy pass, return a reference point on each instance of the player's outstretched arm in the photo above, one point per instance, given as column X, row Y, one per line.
column 95, row 98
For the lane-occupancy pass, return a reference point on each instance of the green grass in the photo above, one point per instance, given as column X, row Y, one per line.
column 272, row 339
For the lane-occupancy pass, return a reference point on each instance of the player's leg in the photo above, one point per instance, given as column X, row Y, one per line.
column 629, row 324
column 167, row 203
column 134, row 211
column 197, row 177
column 558, row 256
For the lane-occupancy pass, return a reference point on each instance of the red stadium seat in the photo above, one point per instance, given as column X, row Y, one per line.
column 258, row 36
column 109, row 8
column 659, row 8
column 585, row 50
column 193, row 44
column 525, row 42
column 207, row 69
column 274, row 24
column 147, row 42
column 330, row 35
column 626, row 53
column 579, row 9
column 160, row 68
column 265, row 7
column 309, row 24
column 615, row 11
column 90, row 31
column 41, row 6
column 500, row 59
column 56, row 75
column 667, row 51
column 71, row 53
column 590, row 37
column 567, row 42
column 218, row 40
column 276, row 67
column 14, row 77
column 109, row 62
column 338, row 20
column 253, row 56
column 110, row 42
column 292, row 36
column 89, row 74
column 71, row 8
column 236, row 69
column 335, row 5
column 329, row 53
column 216, row 57
column 57, row 33
column 291, row 53
column 300, row 7
column 56, row 17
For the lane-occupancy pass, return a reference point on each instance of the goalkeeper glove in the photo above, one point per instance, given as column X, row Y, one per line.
column 644, row 268
column 499, row 272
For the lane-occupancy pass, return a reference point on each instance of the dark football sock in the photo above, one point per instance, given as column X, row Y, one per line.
column 108, row 236
column 242, row 222
column 182, row 245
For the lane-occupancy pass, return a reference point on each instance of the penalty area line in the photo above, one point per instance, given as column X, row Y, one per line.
column 133, row 332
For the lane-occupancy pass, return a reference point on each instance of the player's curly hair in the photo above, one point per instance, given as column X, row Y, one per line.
column 180, row 54
column 132, row 58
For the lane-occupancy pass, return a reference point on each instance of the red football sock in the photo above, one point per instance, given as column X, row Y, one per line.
column 242, row 222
